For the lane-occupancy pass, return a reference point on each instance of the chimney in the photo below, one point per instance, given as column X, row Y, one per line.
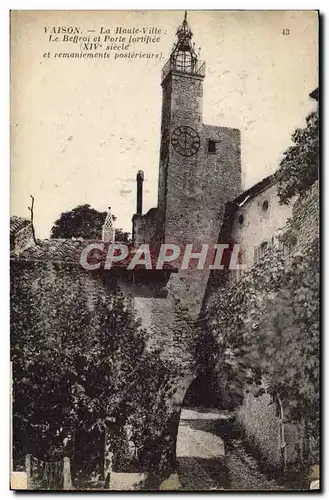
column 108, row 230
column 140, row 180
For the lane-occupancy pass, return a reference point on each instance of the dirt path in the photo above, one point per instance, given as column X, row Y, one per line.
column 206, row 463
column 200, row 452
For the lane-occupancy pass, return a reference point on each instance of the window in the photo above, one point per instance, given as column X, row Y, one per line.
column 211, row 146
column 265, row 205
column 241, row 219
column 259, row 251
column 263, row 247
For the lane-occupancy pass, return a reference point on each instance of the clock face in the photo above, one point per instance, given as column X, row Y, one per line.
column 185, row 141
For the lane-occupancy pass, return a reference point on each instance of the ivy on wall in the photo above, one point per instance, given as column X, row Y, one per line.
column 267, row 326
column 267, row 333
column 299, row 168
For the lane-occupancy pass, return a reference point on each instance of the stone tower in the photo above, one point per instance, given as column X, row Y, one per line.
column 199, row 172
column 199, row 166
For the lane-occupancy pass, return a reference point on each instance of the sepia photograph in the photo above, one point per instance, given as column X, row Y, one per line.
column 164, row 250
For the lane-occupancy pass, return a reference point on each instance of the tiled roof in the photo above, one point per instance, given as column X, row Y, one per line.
column 61, row 250
column 256, row 189
column 69, row 251
column 17, row 223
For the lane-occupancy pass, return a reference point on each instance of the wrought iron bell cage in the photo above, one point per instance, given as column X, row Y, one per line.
column 183, row 57
column 183, row 61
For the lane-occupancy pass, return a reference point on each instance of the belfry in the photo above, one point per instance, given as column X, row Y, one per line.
column 183, row 56
column 199, row 165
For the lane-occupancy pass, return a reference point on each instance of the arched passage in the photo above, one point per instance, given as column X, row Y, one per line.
column 200, row 452
column 203, row 392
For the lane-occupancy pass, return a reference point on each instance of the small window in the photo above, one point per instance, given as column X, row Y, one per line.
column 241, row 219
column 211, row 146
column 265, row 205
column 264, row 246
column 259, row 251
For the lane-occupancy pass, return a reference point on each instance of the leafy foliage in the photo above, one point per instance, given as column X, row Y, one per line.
column 72, row 365
column 299, row 168
column 267, row 333
column 83, row 222
column 82, row 373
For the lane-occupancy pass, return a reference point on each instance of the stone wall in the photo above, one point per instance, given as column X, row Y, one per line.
column 186, row 103
column 199, row 187
column 306, row 217
column 147, row 228
column 258, row 420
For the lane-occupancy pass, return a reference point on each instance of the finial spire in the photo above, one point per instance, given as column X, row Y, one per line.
column 108, row 229
column 183, row 57
column 184, row 35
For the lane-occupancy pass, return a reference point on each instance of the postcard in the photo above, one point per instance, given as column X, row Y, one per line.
column 164, row 250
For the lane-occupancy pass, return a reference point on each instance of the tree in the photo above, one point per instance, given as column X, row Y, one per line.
column 299, row 168
column 73, row 369
column 83, row 222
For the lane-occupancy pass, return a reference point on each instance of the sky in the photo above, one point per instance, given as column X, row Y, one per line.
column 81, row 128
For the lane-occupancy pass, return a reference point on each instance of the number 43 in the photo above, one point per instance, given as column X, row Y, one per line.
column 286, row 31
